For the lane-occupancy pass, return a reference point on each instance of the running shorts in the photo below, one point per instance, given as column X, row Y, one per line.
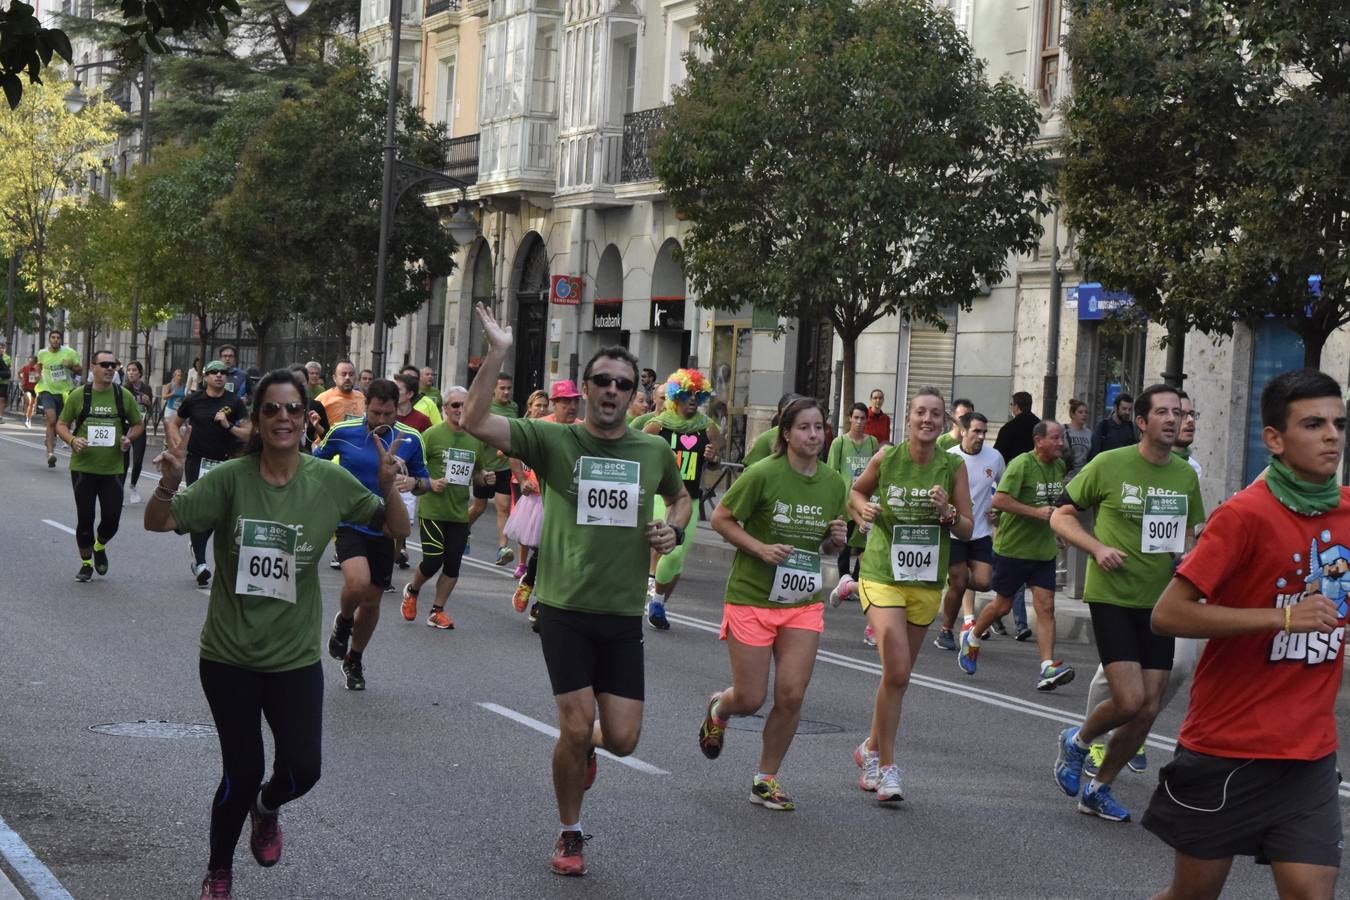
column 592, row 650
column 758, row 626
column 378, row 551
column 1124, row 634
column 1011, row 573
column 980, row 550
column 921, row 604
column 501, row 486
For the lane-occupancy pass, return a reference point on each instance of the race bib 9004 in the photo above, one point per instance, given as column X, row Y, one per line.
column 914, row 552
column 607, row 491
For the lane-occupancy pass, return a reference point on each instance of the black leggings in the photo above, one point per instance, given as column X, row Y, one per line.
column 531, row 568
column 192, row 467
column 292, row 702
column 133, row 459
column 106, row 491
column 442, row 547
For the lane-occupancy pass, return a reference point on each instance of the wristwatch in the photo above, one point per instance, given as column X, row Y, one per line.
column 679, row 534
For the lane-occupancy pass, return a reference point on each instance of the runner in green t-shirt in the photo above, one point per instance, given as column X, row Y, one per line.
column 452, row 458
column 924, row 501
column 1148, row 503
column 497, row 488
column 960, row 407
column 782, row 516
column 849, row 456
column 97, row 441
column 1025, row 550
column 260, row 643
column 57, row 368
column 598, row 479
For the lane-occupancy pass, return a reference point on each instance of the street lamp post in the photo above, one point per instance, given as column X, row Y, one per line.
column 399, row 177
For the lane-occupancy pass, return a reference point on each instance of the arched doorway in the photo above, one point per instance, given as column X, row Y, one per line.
column 668, row 311
column 531, row 324
column 607, row 310
column 481, row 290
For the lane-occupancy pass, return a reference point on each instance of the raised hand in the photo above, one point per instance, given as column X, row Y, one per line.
column 391, row 465
column 170, row 462
column 499, row 336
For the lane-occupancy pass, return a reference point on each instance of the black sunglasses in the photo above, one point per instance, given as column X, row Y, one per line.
column 602, row 380
column 455, row 405
column 106, row 364
column 271, row 408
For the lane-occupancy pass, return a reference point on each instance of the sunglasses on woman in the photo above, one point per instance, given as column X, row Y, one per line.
column 602, row 380
column 270, row 409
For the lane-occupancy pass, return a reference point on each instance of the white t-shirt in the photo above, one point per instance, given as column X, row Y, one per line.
column 983, row 470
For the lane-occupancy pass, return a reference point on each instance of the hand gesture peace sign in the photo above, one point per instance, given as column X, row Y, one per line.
column 170, row 462
column 499, row 337
column 391, row 465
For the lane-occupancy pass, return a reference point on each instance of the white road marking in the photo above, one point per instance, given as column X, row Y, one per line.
column 57, row 525
column 39, row 879
column 631, row 762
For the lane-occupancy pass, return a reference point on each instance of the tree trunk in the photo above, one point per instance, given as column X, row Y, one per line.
column 202, row 336
column 850, row 347
column 1314, row 339
column 260, row 331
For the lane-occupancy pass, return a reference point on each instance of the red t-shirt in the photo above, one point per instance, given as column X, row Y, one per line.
column 1271, row 695
column 415, row 419
column 29, row 374
column 878, row 425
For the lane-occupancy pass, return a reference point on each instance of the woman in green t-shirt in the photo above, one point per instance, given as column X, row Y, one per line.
column 923, row 500
column 781, row 516
column 849, row 455
column 273, row 511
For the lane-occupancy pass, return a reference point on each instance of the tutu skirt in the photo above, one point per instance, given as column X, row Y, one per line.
column 525, row 520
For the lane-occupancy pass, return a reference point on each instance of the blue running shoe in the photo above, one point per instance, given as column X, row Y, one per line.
column 1069, row 763
column 967, row 655
column 1102, row 804
column 656, row 614
column 1138, row 762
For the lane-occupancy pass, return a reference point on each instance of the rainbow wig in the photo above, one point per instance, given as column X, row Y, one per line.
column 685, row 383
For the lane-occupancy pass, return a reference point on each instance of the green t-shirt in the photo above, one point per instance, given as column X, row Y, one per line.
column 458, row 453
column 906, row 528
column 1121, row 485
column 1030, row 481
column 762, row 448
column 640, row 422
column 946, row 442
column 598, row 567
column 778, row 505
column 243, row 627
column 101, row 430
column 9, row 364
column 849, row 459
column 57, row 366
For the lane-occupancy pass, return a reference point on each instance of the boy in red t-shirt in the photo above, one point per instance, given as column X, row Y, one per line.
column 1255, row 768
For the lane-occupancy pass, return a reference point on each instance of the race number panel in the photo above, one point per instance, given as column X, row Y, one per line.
column 607, row 491
column 914, row 552
column 1163, row 529
column 266, row 560
column 458, row 466
column 797, row 578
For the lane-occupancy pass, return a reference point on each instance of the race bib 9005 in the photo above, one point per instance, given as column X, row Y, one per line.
column 607, row 491
column 797, row 578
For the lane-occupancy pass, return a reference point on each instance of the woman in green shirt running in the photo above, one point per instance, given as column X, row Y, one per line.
column 923, row 500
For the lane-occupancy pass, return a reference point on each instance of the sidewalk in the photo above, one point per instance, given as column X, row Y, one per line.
column 7, row 889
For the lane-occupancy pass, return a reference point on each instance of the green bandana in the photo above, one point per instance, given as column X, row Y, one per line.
column 1183, row 452
column 1303, row 497
column 673, row 421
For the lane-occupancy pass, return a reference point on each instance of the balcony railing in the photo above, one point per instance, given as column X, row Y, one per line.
column 639, row 135
column 462, row 159
column 440, row 6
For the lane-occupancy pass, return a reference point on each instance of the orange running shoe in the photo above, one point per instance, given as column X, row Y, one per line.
column 439, row 619
column 521, row 598
column 409, row 605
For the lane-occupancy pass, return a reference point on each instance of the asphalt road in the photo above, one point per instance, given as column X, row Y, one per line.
column 436, row 779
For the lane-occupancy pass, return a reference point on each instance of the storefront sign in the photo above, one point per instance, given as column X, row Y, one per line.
column 607, row 314
column 565, row 290
column 668, row 313
column 1094, row 303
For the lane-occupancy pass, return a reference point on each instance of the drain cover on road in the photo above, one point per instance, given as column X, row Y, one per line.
column 804, row 726
column 153, row 728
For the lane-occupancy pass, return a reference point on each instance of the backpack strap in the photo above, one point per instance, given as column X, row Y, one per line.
column 88, row 392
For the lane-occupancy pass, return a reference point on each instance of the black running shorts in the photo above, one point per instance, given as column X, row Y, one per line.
column 1125, row 634
column 378, row 551
column 601, row 652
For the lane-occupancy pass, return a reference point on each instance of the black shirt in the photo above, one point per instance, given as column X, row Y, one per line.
column 1112, row 435
column 209, row 439
column 1015, row 437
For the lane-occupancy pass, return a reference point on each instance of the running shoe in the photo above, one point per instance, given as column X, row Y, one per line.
column 711, row 734
column 998, row 628
column 337, row 641
column 86, row 572
column 354, row 673
column 846, row 588
column 945, row 640
column 203, row 574
column 504, row 555
column 1102, row 804
column 534, row 617
column 439, row 618
column 264, row 839
column 217, row 883
column 656, row 614
column 768, row 793
column 51, row 460
column 1024, row 634
column 402, row 559
column 409, row 605
column 133, row 497
column 101, row 561
column 1138, row 762
column 389, row 588
column 520, row 571
column 335, row 563
column 967, row 656
column 1093, row 764
column 591, row 770
column 870, row 763
column 1054, row 675
column 888, row 788
column 568, row 858
column 869, row 636
column 521, row 598
column 1069, row 763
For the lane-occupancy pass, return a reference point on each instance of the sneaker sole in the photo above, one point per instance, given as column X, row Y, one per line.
column 769, row 804
column 1137, row 770
column 1089, row 811
column 1054, row 770
column 888, row 798
column 450, row 627
column 1049, row 684
column 572, row 874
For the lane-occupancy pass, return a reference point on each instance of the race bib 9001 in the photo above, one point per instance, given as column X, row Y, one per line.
column 1163, row 529
column 607, row 491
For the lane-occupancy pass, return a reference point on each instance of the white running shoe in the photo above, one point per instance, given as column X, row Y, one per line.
column 888, row 789
column 132, row 497
column 869, row 762
column 869, row 636
column 846, row 587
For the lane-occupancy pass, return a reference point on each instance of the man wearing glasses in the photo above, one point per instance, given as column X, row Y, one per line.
column 599, row 478
column 218, row 425
column 99, row 424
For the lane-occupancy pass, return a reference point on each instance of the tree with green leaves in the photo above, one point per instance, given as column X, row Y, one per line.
column 1206, row 172
column 46, row 154
column 847, row 160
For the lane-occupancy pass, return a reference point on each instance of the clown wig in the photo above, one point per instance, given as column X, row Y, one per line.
column 683, row 384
